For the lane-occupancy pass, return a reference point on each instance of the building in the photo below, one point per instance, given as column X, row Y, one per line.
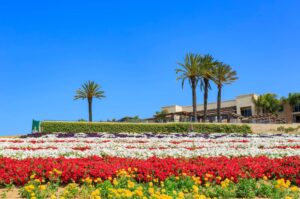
column 240, row 109
column 296, row 114
column 290, row 114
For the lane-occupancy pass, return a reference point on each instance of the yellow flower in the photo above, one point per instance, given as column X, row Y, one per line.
column 128, row 194
column 115, row 182
column 288, row 197
column 151, row 191
column 294, row 189
column 195, row 189
column 225, row 183
column 42, row 187
column 52, row 196
column 282, row 184
column 32, row 176
column 96, row 192
column 200, row 197
column 265, row 178
column 180, row 195
column 130, row 184
column 139, row 193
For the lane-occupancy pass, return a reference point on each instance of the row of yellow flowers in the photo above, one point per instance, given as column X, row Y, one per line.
column 176, row 187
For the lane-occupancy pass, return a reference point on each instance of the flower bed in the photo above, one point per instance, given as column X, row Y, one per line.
column 73, row 170
column 144, row 146
column 148, row 165
column 125, row 186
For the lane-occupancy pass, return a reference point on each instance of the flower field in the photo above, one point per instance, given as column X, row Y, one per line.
column 151, row 165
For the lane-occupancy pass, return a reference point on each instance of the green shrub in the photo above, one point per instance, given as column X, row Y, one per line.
column 246, row 188
column 87, row 127
column 288, row 129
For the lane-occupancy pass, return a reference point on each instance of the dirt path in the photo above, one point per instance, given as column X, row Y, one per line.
column 11, row 194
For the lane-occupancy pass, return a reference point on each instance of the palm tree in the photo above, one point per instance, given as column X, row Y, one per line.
column 189, row 71
column 222, row 74
column 292, row 99
column 89, row 90
column 267, row 103
column 205, row 67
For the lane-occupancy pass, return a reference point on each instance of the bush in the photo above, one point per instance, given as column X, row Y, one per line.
column 86, row 127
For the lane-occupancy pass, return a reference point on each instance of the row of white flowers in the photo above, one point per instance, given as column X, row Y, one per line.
column 145, row 146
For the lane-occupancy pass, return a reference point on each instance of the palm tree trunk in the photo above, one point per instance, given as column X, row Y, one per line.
column 90, row 110
column 194, row 101
column 205, row 99
column 219, row 103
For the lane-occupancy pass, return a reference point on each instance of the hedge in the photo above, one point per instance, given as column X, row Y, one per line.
column 86, row 127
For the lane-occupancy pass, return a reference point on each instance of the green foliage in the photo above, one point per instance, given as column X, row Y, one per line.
column 288, row 129
column 223, row 74
column 89, row 90
column 129, row 119
column 292, row 99
column 267, row 103
column 246, row 188
column 160, row 116
column 189, row 69
column 86, row 127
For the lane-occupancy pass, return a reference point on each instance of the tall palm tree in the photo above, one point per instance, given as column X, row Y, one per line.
column 205, row 67
column 189, row 71
column 89, row 90
column 222, row 74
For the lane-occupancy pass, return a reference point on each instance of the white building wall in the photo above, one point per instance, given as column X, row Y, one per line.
column 210, row 106
column 245, row 101
column 240, row 102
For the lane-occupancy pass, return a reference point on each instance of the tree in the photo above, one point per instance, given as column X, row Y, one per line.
column 134, row 119
column 161, row 116
column 89, row 90
column 293, row 99
column 222, row 74
column 205, row 66
column 189, row 71
column 267, row 103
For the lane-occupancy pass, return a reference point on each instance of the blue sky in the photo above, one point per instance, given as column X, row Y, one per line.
column 49, row 48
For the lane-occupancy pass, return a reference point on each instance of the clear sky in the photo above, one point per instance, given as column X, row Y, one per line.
column 48, row 49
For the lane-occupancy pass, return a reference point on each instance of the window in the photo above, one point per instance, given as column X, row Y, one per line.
column 297, row 119
column 297, row 108
column 246, row 112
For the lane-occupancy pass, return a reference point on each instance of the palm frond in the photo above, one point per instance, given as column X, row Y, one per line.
column 89, row 90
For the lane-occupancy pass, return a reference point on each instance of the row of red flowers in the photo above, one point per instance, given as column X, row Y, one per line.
column 18, row 172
